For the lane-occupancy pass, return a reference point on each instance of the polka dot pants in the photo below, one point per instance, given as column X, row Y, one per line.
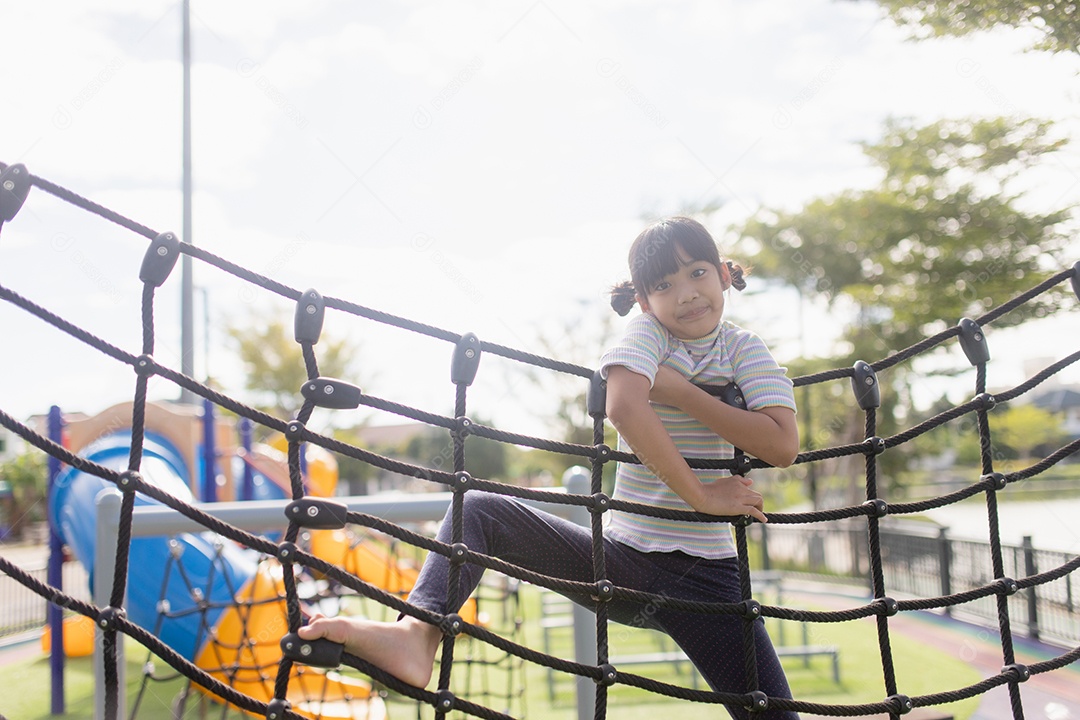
column 504, row 528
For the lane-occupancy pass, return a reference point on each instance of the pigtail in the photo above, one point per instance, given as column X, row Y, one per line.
column 623, row 297
column 736, row 271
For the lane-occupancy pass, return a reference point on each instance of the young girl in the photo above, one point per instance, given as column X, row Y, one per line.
column 679, row 281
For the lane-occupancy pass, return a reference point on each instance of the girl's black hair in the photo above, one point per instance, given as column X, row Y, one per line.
column 654, row 254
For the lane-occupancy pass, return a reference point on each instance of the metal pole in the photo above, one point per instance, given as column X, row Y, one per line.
column 56, row 577
column 577, row 481
column 187, row 325
column 106, row 539
column 209, row 453
column 1031, row 568
column 247, row 482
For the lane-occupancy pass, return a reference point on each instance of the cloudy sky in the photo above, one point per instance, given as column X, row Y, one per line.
column 477, row 166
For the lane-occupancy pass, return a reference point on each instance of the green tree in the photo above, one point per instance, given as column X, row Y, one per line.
column 274, row 362
column 484, row 458
column 1023, row 430
column 1058, row 23
column 943, row 236
column 27, row 477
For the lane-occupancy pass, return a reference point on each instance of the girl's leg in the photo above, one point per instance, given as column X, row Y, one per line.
column 492, row 525
column 715, row 642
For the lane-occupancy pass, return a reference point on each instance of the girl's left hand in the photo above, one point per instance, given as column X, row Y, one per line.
column 667, row 387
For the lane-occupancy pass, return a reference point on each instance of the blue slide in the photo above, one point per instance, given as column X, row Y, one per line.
column 177, row 604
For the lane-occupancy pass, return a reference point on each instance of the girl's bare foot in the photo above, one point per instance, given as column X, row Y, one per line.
column 405, row 649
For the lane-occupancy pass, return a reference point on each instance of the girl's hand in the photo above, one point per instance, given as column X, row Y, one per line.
column 731, row 496
column 668, row 386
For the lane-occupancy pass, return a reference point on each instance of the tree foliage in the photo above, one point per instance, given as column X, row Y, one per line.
column 942, row 237
column 27, row 477
column 1057, row 23
column 274, row 362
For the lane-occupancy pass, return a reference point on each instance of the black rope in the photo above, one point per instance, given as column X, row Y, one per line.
column 115, row 625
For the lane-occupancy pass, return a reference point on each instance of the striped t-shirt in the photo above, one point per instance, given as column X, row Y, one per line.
column 727, row 354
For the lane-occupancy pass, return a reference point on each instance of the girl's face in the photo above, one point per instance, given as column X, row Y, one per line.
column 690, row 301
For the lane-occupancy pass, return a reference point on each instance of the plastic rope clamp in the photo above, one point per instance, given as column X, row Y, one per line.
column 600, row 503
column 128, row 479
column 1017, row 672
column 875, row 445
column 603, row 452
column 998, row 480
column 317, row 513
column 973, row 342
column 878, row 508
column 608, row 675
column 277, row 708
column 605, row 590
column 466, row 360
column 743, row 464
column 144, row 365
column 108, row 618
column 330, row 393
column 864, row 384
column 987, row 400
column 458, row 553
column 751, row 609
column 14, row 187
column 463, row 426
column 1007, row 585
column 728, row 393
column 451, row 624
column 444, row 701
column 596, row 400
column 308, row 321
column 294, row 431
column 900, row 704
column 888, row 605
column 462, row 481
column 160, row 259
column 321, row 653
column 286, row 552
column 757, row 700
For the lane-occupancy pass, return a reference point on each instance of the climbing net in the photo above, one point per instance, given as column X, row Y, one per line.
column 311, row 512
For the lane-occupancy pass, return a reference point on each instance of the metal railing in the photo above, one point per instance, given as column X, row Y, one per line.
column 22, row 610
column 926, row 562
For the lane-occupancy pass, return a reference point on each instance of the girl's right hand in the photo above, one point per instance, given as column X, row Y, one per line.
column 731, row 495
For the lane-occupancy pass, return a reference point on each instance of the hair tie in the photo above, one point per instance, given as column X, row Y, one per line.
column 623, row 297
column 737, row 280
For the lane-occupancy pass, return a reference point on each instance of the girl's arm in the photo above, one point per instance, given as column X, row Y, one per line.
column 769, row 433
column 629, row 410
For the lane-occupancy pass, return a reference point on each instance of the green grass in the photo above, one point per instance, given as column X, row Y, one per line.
column 860, row 673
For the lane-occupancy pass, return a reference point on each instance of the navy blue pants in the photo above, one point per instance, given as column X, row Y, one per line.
column 501, row 527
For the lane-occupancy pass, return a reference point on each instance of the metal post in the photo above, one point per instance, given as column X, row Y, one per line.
column 55, row 616
column 577, row 481
column 106, row 539
column 945, row 565
column 187, row 323
column 1030, row 569
column 247, row 481
column 209, row 453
